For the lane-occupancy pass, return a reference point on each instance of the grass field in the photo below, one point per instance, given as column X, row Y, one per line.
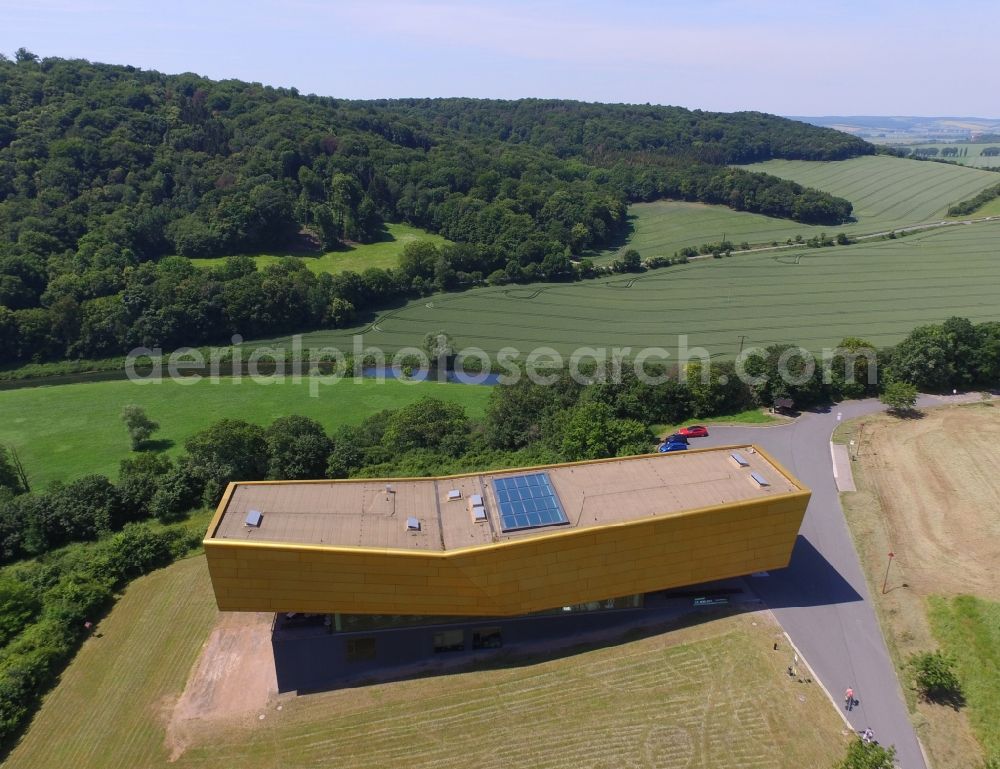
column 990, row 209
column 710, row 695
column 969, row 629
column 384, row 253
column 878, row 290
column 107, row 709
column 974, row 158
column 887, row 193
column 66, row 431
column 927, row 491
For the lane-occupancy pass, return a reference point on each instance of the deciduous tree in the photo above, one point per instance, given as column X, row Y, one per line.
column 900, row 397
column 229, row 450
column 298, row 447
column 867, row 755
column 140, row 427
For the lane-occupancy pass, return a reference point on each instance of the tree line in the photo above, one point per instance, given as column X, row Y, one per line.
column 976, row 202
column 171, row 303
column 108, row 171
column 525, row 423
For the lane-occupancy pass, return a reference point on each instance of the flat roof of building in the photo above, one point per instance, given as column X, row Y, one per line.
column 437, row 514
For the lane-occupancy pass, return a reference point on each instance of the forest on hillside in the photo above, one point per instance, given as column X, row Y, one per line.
column 109, row 174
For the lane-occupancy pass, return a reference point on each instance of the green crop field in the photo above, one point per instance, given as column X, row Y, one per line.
column 385, row 253
column 666, row 226
column 878, row 290
column 65, row 431
column 973, row 156
column 887, row 193
column 709, row 695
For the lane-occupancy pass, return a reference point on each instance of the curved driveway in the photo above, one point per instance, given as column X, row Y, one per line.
column 821, row 599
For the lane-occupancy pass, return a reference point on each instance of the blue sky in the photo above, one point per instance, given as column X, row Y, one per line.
column 793, row 58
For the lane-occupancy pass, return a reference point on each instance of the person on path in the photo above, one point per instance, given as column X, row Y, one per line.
column 849, row 699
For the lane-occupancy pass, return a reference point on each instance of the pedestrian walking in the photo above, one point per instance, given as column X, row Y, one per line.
column 849, row 699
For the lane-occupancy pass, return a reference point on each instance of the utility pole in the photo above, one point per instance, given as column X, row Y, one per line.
column 886, row 580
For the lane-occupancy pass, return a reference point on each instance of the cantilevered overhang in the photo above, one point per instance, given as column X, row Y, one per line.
column 453, row 545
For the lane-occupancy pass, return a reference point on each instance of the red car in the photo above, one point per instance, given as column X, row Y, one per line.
column 694, row 431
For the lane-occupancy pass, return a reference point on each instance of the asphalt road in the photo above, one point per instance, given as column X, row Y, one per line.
column 821, row 599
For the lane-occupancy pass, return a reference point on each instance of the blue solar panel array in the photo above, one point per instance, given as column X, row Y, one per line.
column 527, row 501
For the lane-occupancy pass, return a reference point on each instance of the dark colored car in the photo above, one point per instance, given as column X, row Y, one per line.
column 676, row 438
column 694, row 431
column 676, row 446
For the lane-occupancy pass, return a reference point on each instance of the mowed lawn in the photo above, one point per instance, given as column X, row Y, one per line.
column 65, row 431
column 879, row 290
column 385, row 253
column 711, row 695
column 887, row 193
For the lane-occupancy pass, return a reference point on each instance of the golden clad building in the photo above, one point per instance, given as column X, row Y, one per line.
column 503, row 543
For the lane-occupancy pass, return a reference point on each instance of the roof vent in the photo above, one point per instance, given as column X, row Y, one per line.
column 479, row 514
column 254, row 518
column 739, row 459
column 412, row 524
column 761, row 480
column 454, row 494
column 476, row 500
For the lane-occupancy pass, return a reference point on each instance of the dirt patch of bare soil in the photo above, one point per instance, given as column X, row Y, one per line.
column 232, row 682
column 938, row 482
